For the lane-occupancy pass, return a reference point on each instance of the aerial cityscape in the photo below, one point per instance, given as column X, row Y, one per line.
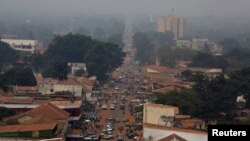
column 82, row 70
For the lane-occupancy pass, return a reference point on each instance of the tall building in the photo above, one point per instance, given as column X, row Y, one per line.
column 172, row 23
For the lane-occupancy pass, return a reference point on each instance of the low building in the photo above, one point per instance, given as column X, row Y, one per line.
column 76, row 67
column 76, row 86
column 153, row 132
column 198, row 43
column 159, row 114
column 24, row 104
column 185, row 44
column 28, row 46
column 209, row 72
column 43, row 122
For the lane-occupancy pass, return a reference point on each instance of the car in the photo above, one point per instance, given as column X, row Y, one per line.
column 104, row 107
column 110, row 126
column 108, row 136
column 112, row 107
column 114, row 102
column 94, row 137
column 122, row 106
column 104, row 132
column 110, row 119
column 116, row 88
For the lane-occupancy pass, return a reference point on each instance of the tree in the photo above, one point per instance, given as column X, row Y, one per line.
column 209, row 61
column 218, row 96
column 68, row 48
column 169, row 56
column 188, row 101
column 58, row 71
column 186, row 74
column 229, row 44
column 241, row 80
column 79, row 73
column 116, row 39
column 102, row 59
column 5, row 112
column 18, row 76
column 145, row 52
column 7, row 55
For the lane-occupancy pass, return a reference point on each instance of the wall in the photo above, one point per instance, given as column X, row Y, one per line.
column 152, row 114
column 158, row 134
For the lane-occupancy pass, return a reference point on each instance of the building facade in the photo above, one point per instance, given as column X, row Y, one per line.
column 28, row 46
column 159, row 114
column 172, row 23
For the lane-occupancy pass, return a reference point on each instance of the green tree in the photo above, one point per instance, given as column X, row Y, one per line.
column 241, row 80
column 188, row 101
column 18, row 76
column 7, row 55
column 187, row 74
column 207, row 60
column 103, row 59
column 68, row 48
column 229, row 44
column 5, row 112
column 145, row 51
column 58, row 71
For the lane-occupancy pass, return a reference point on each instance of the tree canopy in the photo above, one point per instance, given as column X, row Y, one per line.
column 18, row 76
column 68, row 48
column 103, row 59
column 209, row 61
column 7, row 54
column 58, row 71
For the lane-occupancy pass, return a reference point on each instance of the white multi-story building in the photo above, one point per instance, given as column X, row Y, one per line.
column 22, row 45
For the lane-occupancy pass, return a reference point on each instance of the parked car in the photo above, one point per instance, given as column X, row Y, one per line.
column 108, row 136
column 104, row 107
column 112, row 107
column 114, row 102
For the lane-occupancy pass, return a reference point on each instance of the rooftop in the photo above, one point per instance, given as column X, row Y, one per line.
column 173, row 137
column 27, row 127
column 160, row 106
column 162, row 127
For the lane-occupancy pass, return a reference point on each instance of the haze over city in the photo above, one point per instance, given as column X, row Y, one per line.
column 228, row 8
column 124, row 70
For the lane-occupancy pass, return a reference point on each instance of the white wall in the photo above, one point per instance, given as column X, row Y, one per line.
column 158, row 134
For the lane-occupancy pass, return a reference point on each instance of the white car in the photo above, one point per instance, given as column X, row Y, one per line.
column 112, row 107
column 104, row 107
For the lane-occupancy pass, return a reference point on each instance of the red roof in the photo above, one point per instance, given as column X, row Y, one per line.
column 173, row 137
column 51, row 111
column 27, row 127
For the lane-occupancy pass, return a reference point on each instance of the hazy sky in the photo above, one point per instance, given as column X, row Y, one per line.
column 182, row 7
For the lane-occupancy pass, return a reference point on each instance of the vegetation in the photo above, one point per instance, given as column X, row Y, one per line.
column 5, row 112
column 169, row 56
column 212, row 99
column 100, row 58
column 79, row 73
column 188, row 101
column 148, row 44
column 17, row 76
column 7, row 55
column 209, row 61
column 103, row 59
column 58, row 71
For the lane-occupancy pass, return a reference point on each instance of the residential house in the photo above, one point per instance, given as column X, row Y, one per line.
column 43, row 122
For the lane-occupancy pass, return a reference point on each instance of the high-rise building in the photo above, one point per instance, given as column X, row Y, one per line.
column 172, row 23
column 161, row 25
